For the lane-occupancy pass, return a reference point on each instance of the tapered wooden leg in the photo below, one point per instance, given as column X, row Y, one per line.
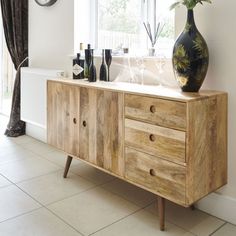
column 192, row 207
column 161, row 211
column 67, row 167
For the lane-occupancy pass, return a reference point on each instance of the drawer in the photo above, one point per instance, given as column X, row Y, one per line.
column 156, row 175
column 155, row 140
column 162, row 112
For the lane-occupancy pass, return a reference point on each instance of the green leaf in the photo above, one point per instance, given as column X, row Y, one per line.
column 174, row 5
column 190, row 4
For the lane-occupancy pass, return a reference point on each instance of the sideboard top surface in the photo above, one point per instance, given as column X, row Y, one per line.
column 144, row 90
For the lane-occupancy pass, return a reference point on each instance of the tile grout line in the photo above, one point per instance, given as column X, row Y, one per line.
column 29, row 179
column 107, row 226
column 38, row 176
column 14, row 217
column 94, row 187
column 99, row 185
column 42, row 206
column 169, row 221
column 71, row 226
column 218, row 228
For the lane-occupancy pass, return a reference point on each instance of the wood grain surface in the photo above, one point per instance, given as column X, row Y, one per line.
column 161, row 112
column 175, row 145
column 206, row 147
column 165, row 178
column 159, row 141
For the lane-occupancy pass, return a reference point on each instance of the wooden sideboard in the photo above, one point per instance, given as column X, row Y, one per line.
column 170, row 143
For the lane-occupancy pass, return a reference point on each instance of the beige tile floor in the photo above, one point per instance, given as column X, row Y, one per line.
column 36, row 201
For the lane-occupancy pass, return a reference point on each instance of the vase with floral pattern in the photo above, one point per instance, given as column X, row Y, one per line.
column 190, row 57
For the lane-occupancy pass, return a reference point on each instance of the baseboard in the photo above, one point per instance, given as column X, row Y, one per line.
column 36, row 132
column 221, row 206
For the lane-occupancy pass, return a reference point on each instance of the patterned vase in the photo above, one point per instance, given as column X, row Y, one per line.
column 190, row 57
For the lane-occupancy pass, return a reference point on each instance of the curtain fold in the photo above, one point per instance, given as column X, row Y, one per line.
column 15, row 24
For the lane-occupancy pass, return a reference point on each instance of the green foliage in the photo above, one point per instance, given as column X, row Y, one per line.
column 180, row 58
column 190, row 4
column 200, row 47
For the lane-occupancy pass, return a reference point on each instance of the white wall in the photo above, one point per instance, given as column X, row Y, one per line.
column 216, row 23
column 51, row 35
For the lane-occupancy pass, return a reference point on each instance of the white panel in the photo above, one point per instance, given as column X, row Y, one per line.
column 33, row 94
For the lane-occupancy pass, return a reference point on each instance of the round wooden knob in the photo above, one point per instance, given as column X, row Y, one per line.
column 84, row 123
column 152, row 109
column 152, row 137
column 75, row 121
column 152, row 172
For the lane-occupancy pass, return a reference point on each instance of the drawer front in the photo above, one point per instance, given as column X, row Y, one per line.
column 162, row 112
column 159, row 176
column 155, row 140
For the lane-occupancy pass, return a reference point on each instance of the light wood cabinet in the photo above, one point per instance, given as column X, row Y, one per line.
column 87, row 123
column 170, row 143
column 63, row 117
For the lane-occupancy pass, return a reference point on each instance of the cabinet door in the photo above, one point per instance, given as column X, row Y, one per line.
column 87, row 130
column 109, row 131
column 101, row 129
column 55, row 115
column 71, row 101
column 63, row 117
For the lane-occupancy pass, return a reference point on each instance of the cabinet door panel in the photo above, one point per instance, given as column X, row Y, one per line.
column 55, row 115
column 110, row 131
column 71, row 130
column 87, row 140
column 63, row 117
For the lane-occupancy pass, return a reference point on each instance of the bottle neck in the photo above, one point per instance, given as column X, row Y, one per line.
column 103, row 54
column 190, row 19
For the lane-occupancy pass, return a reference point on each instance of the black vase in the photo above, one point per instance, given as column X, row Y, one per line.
column 92, row 70
column 190, row 57
column 87, row 62
column 103, row 69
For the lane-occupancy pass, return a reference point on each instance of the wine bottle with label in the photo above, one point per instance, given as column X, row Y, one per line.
column 77, row 69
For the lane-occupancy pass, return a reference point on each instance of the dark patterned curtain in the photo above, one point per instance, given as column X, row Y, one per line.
column 15, row 24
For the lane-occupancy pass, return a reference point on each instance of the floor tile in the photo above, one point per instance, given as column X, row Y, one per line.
column 24, row 139
column 226, row 230
column 37, row 223
column 130, row 192
column 14, row 149
column 92, row 210
column 59, row 158
column 28, row 168
column 16, row 154
column 6, row 142
column 4, row 182
column 14, row 202
column 58, row 187
column 91, row 173
column 38, row 147
column 141, row 223
column 196, row 221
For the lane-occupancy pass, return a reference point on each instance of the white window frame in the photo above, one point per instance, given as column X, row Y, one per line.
column 148, row 13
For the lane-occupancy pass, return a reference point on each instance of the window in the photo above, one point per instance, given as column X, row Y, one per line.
column 119, row 23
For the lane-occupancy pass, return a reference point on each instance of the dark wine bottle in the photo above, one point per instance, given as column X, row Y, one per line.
column 77, row 69
column 108, row 58
column 103, row 69
column 87, row 61
column 92, row 69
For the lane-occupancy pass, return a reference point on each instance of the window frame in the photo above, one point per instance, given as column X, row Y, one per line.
column 147, row 13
